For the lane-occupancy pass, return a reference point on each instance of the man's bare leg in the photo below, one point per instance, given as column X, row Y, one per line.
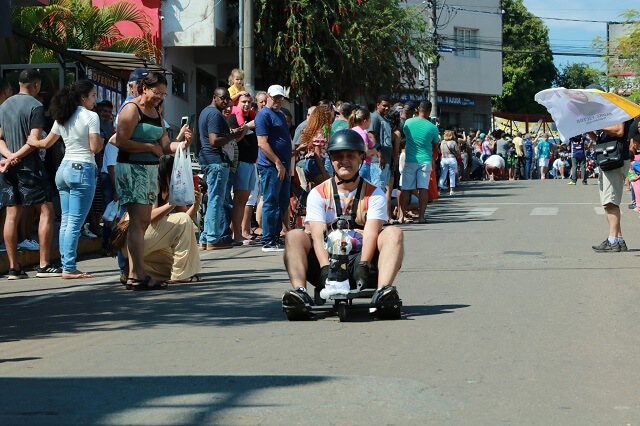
column 10, row 233
column 45, row 231
column 613, row 218
column 391, row 248
column 423, row 199
column 297, row 245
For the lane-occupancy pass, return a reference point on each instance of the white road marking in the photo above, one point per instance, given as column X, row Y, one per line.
column 532, row 204
column 544, row 211
column 482, row 211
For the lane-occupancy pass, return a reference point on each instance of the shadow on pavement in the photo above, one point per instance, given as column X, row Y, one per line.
column 224, row 297
column 220, row 399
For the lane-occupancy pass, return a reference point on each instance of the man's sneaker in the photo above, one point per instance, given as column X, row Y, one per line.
column 607, row 247
column 48, row 271
column 3, row 247
column 29, row 245
column 623, row 245
column 297, row 297
column 16, row 274
column 632, row 205
column 584, row 182
column 571, row 183
column 273, row 246
column 87, row 232
column 383, row 294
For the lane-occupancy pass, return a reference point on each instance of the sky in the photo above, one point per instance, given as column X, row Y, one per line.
column 568, row 36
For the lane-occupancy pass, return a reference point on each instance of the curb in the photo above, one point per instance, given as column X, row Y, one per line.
column 29, row 259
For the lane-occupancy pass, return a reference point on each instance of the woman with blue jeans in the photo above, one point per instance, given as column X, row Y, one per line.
column 79, row 127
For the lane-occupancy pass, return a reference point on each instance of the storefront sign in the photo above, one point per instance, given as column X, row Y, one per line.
column 107, row 87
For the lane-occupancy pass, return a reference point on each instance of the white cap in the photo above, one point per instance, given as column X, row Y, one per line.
column 276, row 90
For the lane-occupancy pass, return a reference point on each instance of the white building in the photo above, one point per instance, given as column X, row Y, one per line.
column 470, row 67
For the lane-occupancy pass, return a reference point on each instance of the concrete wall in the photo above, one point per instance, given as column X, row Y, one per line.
column 481, row 74
column 190, row 23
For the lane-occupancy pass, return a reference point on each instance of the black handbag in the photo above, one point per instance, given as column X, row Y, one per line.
column 609, row 155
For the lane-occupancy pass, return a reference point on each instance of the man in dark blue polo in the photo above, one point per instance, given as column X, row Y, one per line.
column 274, row 163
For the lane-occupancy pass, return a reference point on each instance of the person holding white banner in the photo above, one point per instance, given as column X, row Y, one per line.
column 611, row 186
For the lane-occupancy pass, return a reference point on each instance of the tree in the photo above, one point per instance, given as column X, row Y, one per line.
column 623, row 61
column 577, row 76
column 77, row 24
column 527, row 61
column 341, row 48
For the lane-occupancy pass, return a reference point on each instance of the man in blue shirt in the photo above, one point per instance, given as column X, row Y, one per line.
column 214, row 134
column 274, row 163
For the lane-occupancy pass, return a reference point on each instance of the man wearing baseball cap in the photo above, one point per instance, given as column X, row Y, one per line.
column 274, row 158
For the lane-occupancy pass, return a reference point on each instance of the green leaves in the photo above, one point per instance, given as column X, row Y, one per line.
column 527, row 61
column 77, row 24
column 340, row 48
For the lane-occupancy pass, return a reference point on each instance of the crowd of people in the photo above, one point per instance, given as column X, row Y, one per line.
column 257, row 169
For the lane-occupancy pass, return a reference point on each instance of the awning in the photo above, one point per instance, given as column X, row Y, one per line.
column 120, row 62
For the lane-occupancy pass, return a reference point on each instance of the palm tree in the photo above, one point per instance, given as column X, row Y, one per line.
column 78, row 24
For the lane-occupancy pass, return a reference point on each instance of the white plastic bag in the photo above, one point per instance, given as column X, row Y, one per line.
column 111, row 211
column 181, row 185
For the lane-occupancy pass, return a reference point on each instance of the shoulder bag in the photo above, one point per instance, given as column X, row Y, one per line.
column 609, row 155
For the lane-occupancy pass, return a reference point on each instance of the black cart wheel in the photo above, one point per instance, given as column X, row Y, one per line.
column 389, row 312
column 295, row 315
column 342, row 312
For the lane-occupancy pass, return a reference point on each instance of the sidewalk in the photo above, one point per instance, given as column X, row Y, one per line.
column 30, row 259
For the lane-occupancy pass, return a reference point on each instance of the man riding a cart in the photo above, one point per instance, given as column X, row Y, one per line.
column 349, row 208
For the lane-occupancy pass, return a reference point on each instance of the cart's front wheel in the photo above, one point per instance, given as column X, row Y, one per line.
column 342, row 312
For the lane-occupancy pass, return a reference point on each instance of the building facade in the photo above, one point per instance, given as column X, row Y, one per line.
column 469, row 70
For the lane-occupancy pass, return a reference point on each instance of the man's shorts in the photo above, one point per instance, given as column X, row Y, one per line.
column 137, row 183
column 543, row 162
column 416, row 176
column 313, row 272
column 611, row 184
column 245, row 177
column 23, row 186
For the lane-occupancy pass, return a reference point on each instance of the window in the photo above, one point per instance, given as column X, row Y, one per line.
column 466, row 42
column 179, row 87
column 480, row 121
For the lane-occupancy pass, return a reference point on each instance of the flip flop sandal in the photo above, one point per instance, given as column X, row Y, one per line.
column 75, row 275
column 138, row 284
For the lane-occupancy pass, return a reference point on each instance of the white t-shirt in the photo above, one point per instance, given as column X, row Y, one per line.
column 322, row 210
column 110, row 157
column 495, row 161
column 75, row 133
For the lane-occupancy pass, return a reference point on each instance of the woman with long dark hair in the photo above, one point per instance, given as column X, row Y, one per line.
column 142, row 140
column 79, row 128
column 170, row 245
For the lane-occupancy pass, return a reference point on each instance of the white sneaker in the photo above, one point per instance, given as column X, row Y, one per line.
column 29, row 245
column 333, row 287
column 87, row 232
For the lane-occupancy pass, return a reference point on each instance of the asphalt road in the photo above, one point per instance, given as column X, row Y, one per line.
column 509, row 317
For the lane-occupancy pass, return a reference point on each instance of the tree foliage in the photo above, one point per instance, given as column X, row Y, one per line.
column 577, row 76
column 341, row 48
column 527, row 61
column 623, row 60
column 78, row 24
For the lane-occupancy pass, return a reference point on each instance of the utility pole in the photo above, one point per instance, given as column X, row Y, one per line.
column 433, row 63
column 241, row 22
column 248, row 56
